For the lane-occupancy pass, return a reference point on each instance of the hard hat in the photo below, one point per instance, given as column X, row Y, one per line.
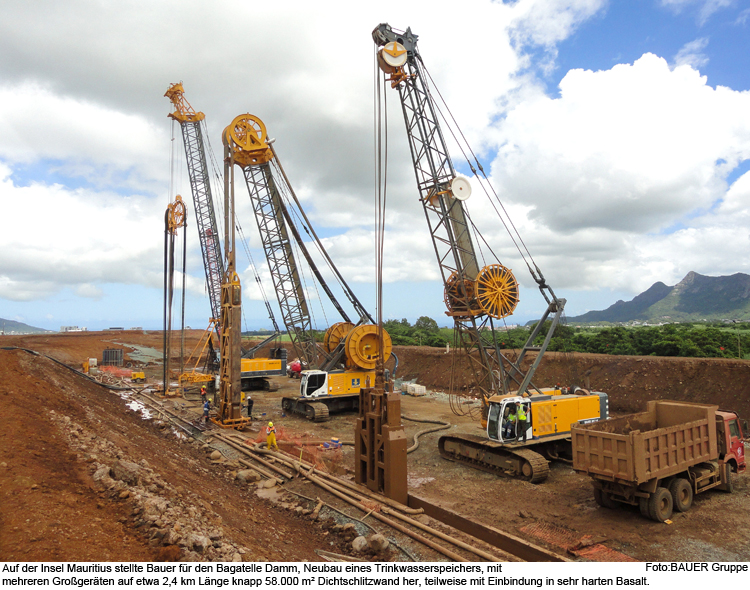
column 270, row 423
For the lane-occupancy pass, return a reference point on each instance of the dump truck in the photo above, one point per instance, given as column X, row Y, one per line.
column 659, row 459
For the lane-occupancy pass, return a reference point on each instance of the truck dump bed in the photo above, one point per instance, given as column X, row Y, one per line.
column 667, row 438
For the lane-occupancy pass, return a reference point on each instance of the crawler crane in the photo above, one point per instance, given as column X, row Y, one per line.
column 475, row 296
column 346, row 361
column 254, row 371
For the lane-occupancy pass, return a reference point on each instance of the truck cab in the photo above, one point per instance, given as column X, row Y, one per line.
column 730, row 434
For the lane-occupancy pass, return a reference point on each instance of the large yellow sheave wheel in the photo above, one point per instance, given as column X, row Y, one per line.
column 363, row 346
column 247, row 133
column 335, row 334
column 497, row 291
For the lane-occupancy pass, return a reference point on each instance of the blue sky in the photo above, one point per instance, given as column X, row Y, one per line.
column 626, row 30
column 617, row 134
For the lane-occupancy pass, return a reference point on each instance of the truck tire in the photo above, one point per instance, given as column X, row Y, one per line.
column 729, row 486
column 660, row 505
column 643, row 506
column 604, row 499
column 682, row 494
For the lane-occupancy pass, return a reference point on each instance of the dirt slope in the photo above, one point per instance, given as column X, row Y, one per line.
column 59, row 429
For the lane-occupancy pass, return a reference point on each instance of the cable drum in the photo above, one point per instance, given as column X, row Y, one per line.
column 363, row 346
column 460, row 297
column 497, row 291
column 335, row 334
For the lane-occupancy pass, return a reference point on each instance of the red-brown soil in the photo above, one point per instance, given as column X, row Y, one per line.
column 630, row 381
column 59, row 427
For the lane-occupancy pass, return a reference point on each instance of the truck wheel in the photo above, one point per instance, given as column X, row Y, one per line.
column 682, row 494
column 729, row 486
column 660, row 505
column 604, row 499
column 643, row 505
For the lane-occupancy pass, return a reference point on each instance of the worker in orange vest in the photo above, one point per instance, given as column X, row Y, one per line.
column 271, row 436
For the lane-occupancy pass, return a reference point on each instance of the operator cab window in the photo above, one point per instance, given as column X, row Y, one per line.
column 493, row 421
column 315, row 382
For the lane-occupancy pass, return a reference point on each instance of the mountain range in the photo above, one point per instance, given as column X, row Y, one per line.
column 12, row 327
column 694, row 298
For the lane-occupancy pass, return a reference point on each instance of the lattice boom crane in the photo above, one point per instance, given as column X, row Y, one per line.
column 476, row 296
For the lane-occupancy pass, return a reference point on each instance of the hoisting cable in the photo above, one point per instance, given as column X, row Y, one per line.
column 302, row 247
column 515, row 231
column 218, row 175
column 166, row 273
column 310, row 230
column 257, row 278
column 293, row 220
column 184, row 276
column 381, row 138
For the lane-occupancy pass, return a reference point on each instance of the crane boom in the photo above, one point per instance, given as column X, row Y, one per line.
column 524, row 426
column 269, row 214
column 192, row 138
column 278, row 233
column 474, row 296
column 446, row 218
column 345, row 362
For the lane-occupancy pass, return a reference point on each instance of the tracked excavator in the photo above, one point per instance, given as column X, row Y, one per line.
column 346, row 361
column 477, row 296
column 255, row 372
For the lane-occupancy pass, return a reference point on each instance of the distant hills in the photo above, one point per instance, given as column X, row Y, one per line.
column 694, row 298
column 11, row 327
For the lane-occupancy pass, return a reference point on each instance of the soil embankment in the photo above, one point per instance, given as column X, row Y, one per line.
column 630, row 381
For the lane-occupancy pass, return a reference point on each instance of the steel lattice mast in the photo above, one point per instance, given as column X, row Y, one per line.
column 445, row 214
column 468, row 289
column 192, row 137
column 278, row 232
column 269, row 214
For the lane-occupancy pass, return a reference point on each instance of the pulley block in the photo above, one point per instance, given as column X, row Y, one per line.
column 248, row 137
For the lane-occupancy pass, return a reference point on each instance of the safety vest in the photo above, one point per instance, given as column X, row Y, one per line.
column 270, row 429
column 520, row 413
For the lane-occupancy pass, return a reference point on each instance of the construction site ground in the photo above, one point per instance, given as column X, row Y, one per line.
column 61, row 431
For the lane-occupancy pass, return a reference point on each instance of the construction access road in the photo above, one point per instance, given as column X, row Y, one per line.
column 84, row 477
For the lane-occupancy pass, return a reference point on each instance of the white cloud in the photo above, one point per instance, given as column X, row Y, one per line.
column 82, row 138
column 706, row 8
column 79, row 238
column 88, row 291
column 624, row 149
column 547, row 22
column 596, row 179
column 620, row 157
column 691, row 54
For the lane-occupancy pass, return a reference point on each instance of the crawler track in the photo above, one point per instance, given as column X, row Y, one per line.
column 493, row 457
column 315, row 411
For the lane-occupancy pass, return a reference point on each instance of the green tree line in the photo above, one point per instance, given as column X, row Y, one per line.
column 688, row 340
column 703, row 339
column 424, row 332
